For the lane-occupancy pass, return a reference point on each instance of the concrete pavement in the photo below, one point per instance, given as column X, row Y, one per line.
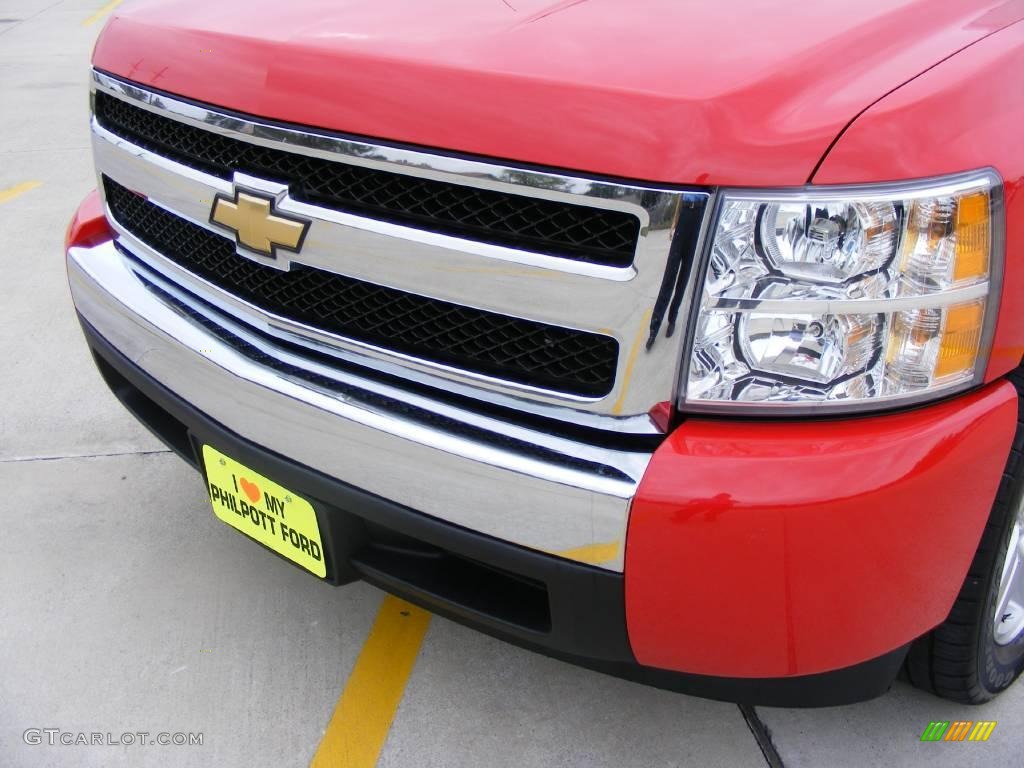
column 126, row 606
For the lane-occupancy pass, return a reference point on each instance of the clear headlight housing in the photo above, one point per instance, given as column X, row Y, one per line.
column 844, row 298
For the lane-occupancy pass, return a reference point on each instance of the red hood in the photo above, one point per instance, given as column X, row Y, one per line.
column 723, row 92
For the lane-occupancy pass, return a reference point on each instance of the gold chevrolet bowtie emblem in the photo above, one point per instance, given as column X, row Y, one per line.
column 257, row 226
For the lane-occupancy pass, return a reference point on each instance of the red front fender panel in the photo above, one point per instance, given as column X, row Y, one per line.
column 760, row 549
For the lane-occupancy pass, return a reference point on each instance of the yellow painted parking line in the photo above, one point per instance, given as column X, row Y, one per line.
column 6, row 195
column 363, row 715
column 102, row 12
column 595, row 554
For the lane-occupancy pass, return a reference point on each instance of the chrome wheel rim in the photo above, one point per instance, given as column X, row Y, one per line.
column 1008, row 622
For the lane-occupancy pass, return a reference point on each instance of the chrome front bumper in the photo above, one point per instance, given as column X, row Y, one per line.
column 545, row 492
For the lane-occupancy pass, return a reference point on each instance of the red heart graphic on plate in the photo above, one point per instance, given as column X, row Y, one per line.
column 251, row 490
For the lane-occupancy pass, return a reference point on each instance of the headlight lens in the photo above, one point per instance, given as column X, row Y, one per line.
column 845, row 298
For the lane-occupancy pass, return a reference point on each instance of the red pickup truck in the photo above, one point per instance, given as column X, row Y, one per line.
column 680, row 340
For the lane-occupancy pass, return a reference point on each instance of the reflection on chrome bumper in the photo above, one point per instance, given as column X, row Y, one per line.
column 545, row 492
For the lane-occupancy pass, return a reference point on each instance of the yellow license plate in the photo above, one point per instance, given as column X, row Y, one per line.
column 262, row 509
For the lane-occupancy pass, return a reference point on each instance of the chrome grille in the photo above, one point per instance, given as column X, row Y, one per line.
column 551, row 294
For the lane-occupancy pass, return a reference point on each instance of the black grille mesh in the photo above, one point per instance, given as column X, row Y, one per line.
column 509, row 348
column 561, row 229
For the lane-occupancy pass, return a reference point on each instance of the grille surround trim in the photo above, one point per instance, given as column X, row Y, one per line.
column 607, row 300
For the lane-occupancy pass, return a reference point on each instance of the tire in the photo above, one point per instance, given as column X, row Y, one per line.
column 966, row 658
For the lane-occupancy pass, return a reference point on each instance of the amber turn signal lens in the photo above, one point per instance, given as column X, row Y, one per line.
column 973, row 231
column 961, row 339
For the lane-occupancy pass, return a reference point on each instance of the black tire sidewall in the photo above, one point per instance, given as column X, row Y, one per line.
column 999, row 665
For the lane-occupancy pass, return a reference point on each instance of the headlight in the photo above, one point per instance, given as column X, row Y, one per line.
column 841, row 298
